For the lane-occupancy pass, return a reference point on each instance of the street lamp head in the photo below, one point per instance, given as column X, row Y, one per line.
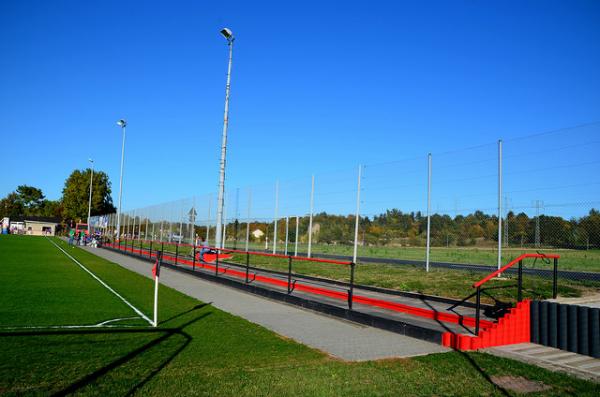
column 91, row 161
column 227, row 34
column 122, row 123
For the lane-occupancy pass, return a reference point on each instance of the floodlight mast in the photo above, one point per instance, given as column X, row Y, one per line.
column 221, row 196
column 90, row 198
column 123, row 124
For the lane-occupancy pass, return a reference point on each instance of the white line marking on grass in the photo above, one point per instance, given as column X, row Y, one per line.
column 103, row 324
column 139, row 312
column 115, row 320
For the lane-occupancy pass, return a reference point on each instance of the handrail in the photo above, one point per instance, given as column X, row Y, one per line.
column 512, row 263
column 297, row 258
column 257, row 253
column 290, row 284
column 518, row 260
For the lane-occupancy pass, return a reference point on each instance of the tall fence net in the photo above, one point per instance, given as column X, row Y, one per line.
column 435, row 209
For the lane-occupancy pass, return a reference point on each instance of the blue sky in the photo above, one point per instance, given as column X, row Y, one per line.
column 316, row 86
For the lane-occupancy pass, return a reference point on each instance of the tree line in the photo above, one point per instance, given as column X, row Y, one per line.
column 71, row 207
column 394, row 227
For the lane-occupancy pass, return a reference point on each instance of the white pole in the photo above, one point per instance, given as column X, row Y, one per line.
column 193, row 222
column 180, row 223
column 248, row 219
column 156, row 301
column 90, row 199
column 208, row 221
column 221, row 197
column 152, row 236
column 224, row 227
column 133, row 227
column 296, row 243
column 267, row 239
column 146, row 229
column 499, row 203
column 162, row 224
column 310, row 216
column 356, row 222
column 428, row 212
column 123, row 125
column 287, row 228
column 276, row 215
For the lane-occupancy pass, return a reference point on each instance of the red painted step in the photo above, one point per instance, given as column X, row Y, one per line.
column 513, row 328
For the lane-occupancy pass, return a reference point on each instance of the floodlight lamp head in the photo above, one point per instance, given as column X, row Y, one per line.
column 228, row 34
column 90, row 160
column 122, row 123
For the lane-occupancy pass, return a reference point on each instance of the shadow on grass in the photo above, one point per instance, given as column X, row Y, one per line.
column 197, row 307
column 165, row 334
column 468, row 357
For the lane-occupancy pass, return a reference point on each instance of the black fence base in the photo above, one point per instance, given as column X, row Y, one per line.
column 400, row 327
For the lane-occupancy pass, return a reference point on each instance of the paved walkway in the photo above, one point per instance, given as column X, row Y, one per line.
column 550, row 358
column 339, row 338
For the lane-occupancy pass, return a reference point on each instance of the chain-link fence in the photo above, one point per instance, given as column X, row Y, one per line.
column 438, row 209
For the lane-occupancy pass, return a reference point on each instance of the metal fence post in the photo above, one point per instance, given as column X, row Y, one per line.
column 296, row 242
column 248, row 221
column 351, row 291
column 289, row 274
column 310, row 216
column 217, row 263
column 499, row 203
column 287, row 229
column 555, row 279
column 194, row 256
column 247, row 264
column 357, row 220
column 428, row 249
column 477, row 310
column 276, row 215
column 180, row 224
column 520, row 282
column 208, row 220
column 150, row 254
column 176, row 252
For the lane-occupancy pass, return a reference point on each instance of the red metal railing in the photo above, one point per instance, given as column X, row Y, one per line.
column 510, row 264
column 289, row 258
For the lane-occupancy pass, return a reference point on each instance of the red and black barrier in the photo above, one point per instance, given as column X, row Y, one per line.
column 348, row 296
column 567, row 327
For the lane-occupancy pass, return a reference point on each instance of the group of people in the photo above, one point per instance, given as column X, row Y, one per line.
column 81, row 238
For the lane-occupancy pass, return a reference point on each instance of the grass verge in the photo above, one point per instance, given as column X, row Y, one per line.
column 199, row 350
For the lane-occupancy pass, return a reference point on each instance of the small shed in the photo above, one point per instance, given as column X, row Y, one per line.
column 34, row 225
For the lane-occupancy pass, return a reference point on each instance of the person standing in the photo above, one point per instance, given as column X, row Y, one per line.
column 71, row 236
column 205, row 248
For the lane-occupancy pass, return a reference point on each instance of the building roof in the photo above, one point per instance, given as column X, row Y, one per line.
column 44, row 219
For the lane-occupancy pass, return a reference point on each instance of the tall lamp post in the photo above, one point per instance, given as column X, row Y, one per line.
column 220, row 200
column 121, row 123
column 90, row 198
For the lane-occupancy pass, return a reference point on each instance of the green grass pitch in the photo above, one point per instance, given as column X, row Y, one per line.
column 197, row 349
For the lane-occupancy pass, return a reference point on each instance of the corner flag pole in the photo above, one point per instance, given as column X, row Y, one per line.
column 156, row 273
